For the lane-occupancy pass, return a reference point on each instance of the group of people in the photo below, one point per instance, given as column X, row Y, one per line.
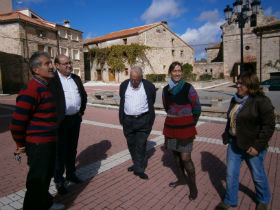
column 46, row 126
column 52, row 104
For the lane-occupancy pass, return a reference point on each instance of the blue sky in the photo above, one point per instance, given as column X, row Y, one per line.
column 196, row 21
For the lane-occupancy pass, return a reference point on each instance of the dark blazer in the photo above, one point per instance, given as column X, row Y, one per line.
column 151, row 97
column 255, row 123
column 57, row 90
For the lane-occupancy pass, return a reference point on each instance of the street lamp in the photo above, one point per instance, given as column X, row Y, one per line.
column 242, row 15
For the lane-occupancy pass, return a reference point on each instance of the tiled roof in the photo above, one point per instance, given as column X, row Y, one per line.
column 215, row 46
column 121, row 34
column 17, row 16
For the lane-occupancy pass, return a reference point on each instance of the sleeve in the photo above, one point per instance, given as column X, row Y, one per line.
column 194, row 100
column 25, row 107
column 83, row 97
column 267, row 121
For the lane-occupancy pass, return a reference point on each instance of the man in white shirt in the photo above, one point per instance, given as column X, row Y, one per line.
column 137, row 116
column 71, row 99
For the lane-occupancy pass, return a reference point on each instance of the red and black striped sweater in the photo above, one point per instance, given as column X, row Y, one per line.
column 34, row 119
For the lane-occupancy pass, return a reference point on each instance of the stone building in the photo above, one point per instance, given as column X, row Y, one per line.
column 165, row 47
column 214, row 64
column 261, row 47
column 22, row 32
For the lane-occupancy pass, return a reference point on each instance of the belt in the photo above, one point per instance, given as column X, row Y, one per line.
column 70, row 115
column 137, row 116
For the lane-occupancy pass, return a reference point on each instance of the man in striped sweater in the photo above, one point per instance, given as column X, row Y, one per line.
column 33, row 128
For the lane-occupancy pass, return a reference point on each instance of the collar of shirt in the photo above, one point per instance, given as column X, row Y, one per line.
column 63, row 77
column 139, row 86
column 40, row 81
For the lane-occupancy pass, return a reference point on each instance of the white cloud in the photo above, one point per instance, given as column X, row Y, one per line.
column 268, row 12
column 204, row 36
column 210, row 16
column 162, row 9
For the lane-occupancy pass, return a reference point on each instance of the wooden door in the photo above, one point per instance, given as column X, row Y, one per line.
column 112, row 76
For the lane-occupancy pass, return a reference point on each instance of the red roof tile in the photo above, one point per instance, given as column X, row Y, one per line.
column 122, row 33
column 215, row 46
column 17, row 16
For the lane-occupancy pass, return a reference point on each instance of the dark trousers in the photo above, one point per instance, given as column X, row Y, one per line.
column 66, row 149
column 136, row 131
column 41, row 160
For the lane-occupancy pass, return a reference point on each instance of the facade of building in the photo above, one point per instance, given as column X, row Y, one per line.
column 165, row 47
column 23, row 32
column 261, row 47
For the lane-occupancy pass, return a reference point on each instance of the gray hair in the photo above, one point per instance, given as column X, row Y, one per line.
column 35, row 61
column 138, row 70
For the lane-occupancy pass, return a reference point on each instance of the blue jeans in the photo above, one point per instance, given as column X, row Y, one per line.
column 256, row 166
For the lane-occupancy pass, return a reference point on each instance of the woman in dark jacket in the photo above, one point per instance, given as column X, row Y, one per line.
column 182, row 105
column 250, row 125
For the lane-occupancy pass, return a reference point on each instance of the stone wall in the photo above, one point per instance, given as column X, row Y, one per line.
column 212, row 54
column 166, row 47
column 205, row 68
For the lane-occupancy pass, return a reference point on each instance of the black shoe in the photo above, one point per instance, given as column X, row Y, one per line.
column 222, row 206
column 141, row 175
column 175, row 184
column 130, row 169
column 74, row 179
column 61, row 189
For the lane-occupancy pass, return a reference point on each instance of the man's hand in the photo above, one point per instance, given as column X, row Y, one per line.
column 252, row 151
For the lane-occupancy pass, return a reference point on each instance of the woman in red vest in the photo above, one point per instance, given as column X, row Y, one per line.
column 182, row 105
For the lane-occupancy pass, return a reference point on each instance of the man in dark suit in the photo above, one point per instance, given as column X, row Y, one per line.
column 71, row 99
column 137, row 115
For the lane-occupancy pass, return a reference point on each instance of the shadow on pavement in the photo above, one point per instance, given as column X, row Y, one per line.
column 92, row 154
column 6, row 112
column 217, row 174
column 168, row 160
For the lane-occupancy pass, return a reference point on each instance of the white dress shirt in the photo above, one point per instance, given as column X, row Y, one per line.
column 71, row 93
column 136, row 102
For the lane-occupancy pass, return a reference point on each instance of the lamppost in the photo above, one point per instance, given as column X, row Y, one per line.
column 242, row 15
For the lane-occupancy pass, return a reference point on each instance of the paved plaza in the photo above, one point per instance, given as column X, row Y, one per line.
column 103, row 159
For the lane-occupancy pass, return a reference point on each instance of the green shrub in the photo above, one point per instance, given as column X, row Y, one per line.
column 205, row 77
column 156, row 77
column 187, row 72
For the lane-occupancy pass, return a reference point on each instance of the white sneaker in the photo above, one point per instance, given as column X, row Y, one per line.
column 57, row 206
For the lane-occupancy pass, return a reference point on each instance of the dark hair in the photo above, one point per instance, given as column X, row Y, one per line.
column 251, row 81
column 172, row 66
column 35, row 61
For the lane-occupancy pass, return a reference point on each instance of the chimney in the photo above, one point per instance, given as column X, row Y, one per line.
column 165, row 23
column 67, row 23
column 5, row 6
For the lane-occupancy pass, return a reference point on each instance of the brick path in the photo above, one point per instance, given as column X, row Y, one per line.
column 103, row 160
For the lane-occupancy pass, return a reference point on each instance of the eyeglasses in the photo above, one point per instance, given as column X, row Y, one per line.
column 67, row 63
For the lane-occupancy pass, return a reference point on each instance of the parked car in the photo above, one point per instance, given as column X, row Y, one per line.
column 271, row 84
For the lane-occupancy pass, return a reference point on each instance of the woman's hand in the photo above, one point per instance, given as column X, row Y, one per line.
column 252, row 151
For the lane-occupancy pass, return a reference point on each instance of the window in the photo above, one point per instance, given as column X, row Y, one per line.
column 41, row 33
column 50, row 52
column 76, row 54
column 77, row 71
column 182, row 52
column 211, row 70
column 41, row 47
column 126, row 72
column 62, row 34
column 69, row 35
column 172, row 41
column 125, row 41
column 206, row 70
column 164, row 66
column 64, row 51
column 75, row 37
column 173, row 52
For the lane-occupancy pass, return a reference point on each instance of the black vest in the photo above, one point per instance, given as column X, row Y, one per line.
column 180, row 98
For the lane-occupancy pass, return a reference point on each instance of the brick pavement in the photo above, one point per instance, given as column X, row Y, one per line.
column 103, row 159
